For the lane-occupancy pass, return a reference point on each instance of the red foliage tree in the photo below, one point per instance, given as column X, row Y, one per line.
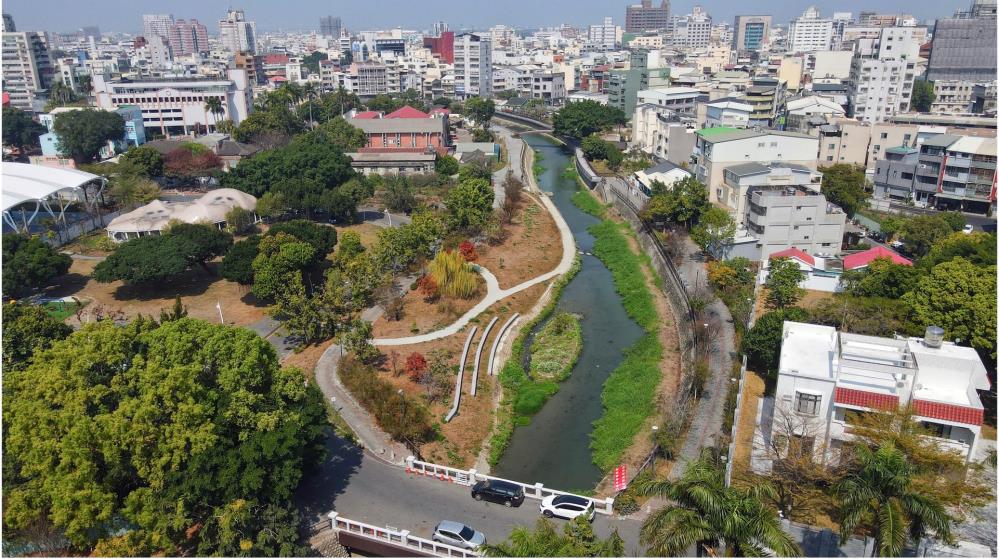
column 416, row 366
column 428, row 287
column 186, row 163
column 467, row 250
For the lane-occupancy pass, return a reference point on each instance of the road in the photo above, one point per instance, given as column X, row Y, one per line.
column 364, row 488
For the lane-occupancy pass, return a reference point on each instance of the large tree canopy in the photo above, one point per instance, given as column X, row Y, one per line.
column 582, row 118
column 190, row 435
column 83, row 133
column 27, row 329
column 844, row 185
column 19, row 130
column 156, row 258
column 29, row 263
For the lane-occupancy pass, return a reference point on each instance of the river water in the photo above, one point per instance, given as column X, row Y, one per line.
column 555, row 448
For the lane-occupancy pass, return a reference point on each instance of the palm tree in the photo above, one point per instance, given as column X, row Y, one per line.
column 576, row 540
column 310, row 91
column 294, row 92
column 706, row 514
column 878, row 493
column 214, row 106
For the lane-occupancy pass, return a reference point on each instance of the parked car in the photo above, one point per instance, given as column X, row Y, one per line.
column 968, row 229
column 568, row 507
column 458, row 535
column 503, row 492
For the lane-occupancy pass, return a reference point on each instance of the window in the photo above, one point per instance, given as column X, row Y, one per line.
column 807, row 403
column 884, row 135
column 832, row 146
column 829, row 158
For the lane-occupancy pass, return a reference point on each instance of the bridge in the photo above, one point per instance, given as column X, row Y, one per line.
column 522, row 120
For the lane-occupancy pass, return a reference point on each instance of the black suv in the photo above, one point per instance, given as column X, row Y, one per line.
column 509, row 494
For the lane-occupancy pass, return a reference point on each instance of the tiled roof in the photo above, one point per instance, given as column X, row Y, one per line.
column 864, row 399
column 861, row 259
column 407, row 112
column 949, row 412
column 367, row 114
column 795, row 253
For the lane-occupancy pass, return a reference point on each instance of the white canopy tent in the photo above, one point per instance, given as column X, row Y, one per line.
column 24, row 183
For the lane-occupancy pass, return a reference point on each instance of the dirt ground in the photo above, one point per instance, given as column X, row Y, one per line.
column 199, row 291
column 532, row 246
column 809, row 300
column 420, row 317
column 751, row 394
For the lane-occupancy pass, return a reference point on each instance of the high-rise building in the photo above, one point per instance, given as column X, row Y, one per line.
column 27, row 68
column 646, row 17
column 440, row 27
column 882, row 73
column 964, row 46
column 8, row 24
column 840, row 21
column 157, row 25
column 330, row 26
column 188, row 37
column 809, row 32
column 751, row 32
column 604, row 35
column 158, row 51
column 692, row 30
column 237, row 34
column 473, row 74
column 442, row 46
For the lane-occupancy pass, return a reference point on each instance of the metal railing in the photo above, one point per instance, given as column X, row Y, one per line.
column 398, row 538
column 471, row 477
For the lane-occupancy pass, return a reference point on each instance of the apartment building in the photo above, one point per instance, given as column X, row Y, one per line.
column 623, row 86
column 237, row 34
column 254, row 66
column 663, row 133
column 957, row 96
column 646, row 17
column 175, row 105
column 783, row 208
column 330, row 26
column 750, row 33
column 895, row 173
column 719, row 148
column 604, row 35
column 804, row 113
column 882, row 74
column 733, row 112
column 442, row 46
column 681, row 100
column 549, row 87
column 472, row 65
column 766, row 97
column 188, row 37
column 809, row 32
column 692, row 31
column 858, row 143
column 27, row 68
column 827, row 378
column 156, row 25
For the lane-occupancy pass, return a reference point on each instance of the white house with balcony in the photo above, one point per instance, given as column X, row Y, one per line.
column 727, row 111
column 827, row 377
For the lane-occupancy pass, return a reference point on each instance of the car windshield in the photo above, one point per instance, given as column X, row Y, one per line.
column 466, row 533
column 570, row 499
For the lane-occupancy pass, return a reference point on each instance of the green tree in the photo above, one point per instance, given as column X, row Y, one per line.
column 310, row 62
column 274, row 119
column 26, row 330
column 881, row 278
column 398, row 248
column 705, row 514
column 349, row 247
column 474, row 170
column 481, row 110
column 271, row 204
column 178, row 311
column 339, row 133
column 682, row 202
column 213, row 106
column 398, row 194
column 19, row 130
column 29, row 263
column 594, row 147
column 960, row 298
column 163, row 430
column 147, row 160
column 280, row 258
column 576, row 540
column 763, row 341
column 356, row 338
column 204, row 242
column 844, row 185
column 714, row 232
column 921, row 232
column 878, row 494
column 469, row 204
column 322, row 238
column 237, row 265
column 873, row 316
column 580, row 119
column 922, row 95
column 238, row 219
column 446, row 165
column 83, row 133
column 784, row 283
column 977, row 248
column 955, row 220
column 334, row 104
column 157, row 258
column 129, row 186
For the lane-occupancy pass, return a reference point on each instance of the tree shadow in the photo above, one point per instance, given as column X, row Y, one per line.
column 66, row 285
column 193, row 282
column 316, row 494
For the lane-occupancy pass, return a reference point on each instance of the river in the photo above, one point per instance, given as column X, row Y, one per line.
column 555, row 448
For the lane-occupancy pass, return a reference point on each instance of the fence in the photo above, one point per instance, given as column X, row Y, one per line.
column 523, row 119
column 395, row 538
column 471, row 477
column 461, row 374
column 78, row 229
column 735, row 424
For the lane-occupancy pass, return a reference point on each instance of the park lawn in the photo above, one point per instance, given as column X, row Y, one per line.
column 367, row 231
column 199, row 290
column 61, row 310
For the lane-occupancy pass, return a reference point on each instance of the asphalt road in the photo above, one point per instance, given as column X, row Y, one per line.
column 366, row 489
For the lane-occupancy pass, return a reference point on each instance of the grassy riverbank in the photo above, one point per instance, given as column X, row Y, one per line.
column 629, row 393
column 523, row 397
column 556, row 348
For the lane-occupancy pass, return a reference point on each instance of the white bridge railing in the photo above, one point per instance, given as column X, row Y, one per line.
column 470, row 477
column 400, row 538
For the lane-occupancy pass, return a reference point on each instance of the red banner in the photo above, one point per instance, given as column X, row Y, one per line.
column 620, row 477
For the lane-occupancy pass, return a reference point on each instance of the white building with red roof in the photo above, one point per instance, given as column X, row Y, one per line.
column 860, row 260
column 823, row 273
column 825, row 378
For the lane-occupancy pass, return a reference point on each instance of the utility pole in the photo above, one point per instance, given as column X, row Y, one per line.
column 218, row 305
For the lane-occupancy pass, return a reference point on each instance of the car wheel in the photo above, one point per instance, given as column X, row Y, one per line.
column 508, row 503
column 548, row 514
column 478, row 496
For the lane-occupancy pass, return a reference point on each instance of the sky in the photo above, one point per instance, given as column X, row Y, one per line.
column 271, row 15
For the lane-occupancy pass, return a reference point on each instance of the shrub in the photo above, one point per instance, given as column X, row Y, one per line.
column 416, row 366
column 428, row 287
column 467, row 250
column 453, row 275
column 403, row 418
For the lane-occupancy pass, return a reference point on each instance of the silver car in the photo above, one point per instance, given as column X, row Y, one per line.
column 458, row 535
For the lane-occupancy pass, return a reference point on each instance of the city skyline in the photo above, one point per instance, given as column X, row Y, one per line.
column 126, row 17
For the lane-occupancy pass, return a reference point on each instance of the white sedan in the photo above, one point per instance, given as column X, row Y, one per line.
column 568, row 507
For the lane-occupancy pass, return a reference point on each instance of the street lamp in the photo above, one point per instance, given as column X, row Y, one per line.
column 655, row 447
